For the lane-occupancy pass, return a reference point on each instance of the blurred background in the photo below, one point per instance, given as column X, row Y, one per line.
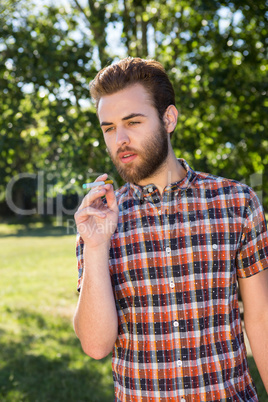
column 215, row 53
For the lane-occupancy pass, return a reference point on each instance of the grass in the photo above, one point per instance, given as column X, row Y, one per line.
column 40, row 357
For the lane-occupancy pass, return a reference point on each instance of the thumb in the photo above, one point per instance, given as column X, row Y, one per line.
column 111, row 198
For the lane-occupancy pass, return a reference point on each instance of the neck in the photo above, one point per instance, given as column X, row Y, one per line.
column 170, row 172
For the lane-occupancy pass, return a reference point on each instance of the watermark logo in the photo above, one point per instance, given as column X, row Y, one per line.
column 51, row 198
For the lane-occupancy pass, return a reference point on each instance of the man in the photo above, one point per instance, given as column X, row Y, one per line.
column 160, row 258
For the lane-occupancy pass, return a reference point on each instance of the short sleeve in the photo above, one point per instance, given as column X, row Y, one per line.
column 253, row 253
column 80, row 260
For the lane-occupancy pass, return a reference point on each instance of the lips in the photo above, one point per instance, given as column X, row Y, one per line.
column 126, row 157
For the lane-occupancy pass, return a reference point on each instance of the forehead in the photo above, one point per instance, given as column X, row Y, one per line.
column 133, row 99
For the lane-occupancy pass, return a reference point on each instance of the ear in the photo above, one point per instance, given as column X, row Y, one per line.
column 170, row 118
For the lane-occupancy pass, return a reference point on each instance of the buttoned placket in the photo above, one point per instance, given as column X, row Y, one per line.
column 163, row 221
column 172, row 283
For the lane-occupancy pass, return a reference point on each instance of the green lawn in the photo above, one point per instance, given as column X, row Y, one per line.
column 40, row 357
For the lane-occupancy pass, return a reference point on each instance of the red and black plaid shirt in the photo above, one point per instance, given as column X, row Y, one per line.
column 174, row 263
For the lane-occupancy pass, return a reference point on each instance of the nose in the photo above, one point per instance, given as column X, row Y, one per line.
column 122, row 136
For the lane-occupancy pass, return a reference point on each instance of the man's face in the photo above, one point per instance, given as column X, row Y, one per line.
column 136, row 139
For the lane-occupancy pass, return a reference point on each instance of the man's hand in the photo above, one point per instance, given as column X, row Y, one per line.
column 95, row 320
column 96, row 221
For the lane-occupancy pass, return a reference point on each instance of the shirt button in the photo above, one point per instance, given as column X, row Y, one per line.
column 179, row 363
column 175, row 323
column 168, row 250
column 150, row 189
column 183, row 400
column 214, row 246
column 172, row 284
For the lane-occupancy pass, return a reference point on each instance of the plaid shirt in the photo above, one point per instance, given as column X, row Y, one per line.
column 174, row 263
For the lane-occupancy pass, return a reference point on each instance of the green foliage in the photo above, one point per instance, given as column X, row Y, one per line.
column 44, row 78
column 215, row 53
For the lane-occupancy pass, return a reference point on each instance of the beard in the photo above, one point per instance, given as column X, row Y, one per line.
column 153, row 154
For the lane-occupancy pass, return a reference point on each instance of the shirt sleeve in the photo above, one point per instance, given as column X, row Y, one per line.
column 253, row 253
column 80, row 260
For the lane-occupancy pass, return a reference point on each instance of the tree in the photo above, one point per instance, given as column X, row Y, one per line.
column 44, row 76
column 214, row 51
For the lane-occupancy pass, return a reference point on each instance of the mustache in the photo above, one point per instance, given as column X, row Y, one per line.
column 126, row 149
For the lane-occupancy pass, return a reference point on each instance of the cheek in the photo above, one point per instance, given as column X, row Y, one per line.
column 109, row 145
column 107, row 141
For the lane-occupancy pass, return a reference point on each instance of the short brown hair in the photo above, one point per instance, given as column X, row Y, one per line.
column 129, row 71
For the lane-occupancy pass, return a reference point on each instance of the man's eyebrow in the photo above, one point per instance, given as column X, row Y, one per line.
column 128, row 117
column 105, row 123
column 132, row 115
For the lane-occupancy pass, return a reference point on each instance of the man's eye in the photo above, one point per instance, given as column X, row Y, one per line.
column 132, row 123
column 107, row 130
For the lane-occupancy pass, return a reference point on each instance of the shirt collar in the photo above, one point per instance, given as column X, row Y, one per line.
column 138, row 192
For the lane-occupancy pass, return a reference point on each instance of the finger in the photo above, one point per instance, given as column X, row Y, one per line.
column 110, row 197
column 92, row 196
column 102, row 177
column 84, row 213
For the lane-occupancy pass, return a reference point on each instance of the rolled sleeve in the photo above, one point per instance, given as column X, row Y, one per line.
column 253, row 254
